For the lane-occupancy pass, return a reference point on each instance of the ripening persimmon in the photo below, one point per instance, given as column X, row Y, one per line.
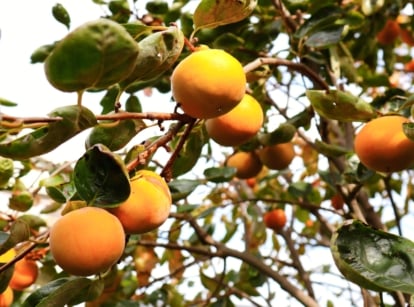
column 337, row 201
column 87, row 241
column 247, row 164
column 24, row 274
column 148, row 205
column 208, row 83
column 389, row 33
column 237, row 126
column 409, row 66
column 381, row 144
column 278, row 156
column 275, row 219
column 6, row 297
column 407, row 36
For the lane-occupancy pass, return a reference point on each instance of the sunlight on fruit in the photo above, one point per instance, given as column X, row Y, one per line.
column 87, row 241
column 148, row 205
column 381, row 145
column 208, row 83
column 237, row 126
column 6, row 298
column 24, row 275
column 275, row 219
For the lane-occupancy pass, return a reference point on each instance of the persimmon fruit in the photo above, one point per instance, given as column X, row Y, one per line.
column 147, row 207
column 381, row 145
column 238, row 125
column 24, row 275
column 208, row 83
column 247, row 164
column 6, row 297
column 275, row 219
column 389, row 33
column 278, row 156
column 337, row 201
column 87, row 241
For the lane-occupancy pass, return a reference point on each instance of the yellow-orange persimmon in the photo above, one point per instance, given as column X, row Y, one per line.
column 278, row 156
column 275, row 219
column 208, row 83
column 6, row 297
column 24, row 274
column 87, row 241
column 389, row 33
column 148, row 205
column 247, row 164
column 381, row 145
column 237, row 126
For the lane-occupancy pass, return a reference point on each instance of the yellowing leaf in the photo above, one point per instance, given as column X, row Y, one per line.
column 214, row 13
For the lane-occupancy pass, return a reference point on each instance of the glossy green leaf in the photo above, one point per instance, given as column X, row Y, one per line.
column 19, row 232
column 374, row 259
column 101, row 178
column 58, row 187
column 219, row 174
column 114, row 134
column 95, row 55
column 408, row 129
column 65, row 291
column 61, row 14
column 340, row 105
column 190, row 152
column 158, row 52
column 323, row 19
column 214, row 13
column 44, row 139
column 181, row 188
column 132, row 104
column 120, row 10
column 282, row 134
column 157, row 7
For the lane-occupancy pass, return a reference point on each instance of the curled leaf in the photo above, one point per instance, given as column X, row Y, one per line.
column 61, row 14
column 374, row 259
column 97, row 54
column 214, row 13
column 158, row 52
column 101, row 177
column 42, row 140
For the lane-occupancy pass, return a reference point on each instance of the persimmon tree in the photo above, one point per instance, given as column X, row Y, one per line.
column 319, row 69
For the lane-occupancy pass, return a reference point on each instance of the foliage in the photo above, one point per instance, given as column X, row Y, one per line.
column 318, row 71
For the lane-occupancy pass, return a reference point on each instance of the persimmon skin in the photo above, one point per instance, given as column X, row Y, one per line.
column 6, row 297
column 389, row 33
column 208, row 83
column 237, row 126
column 247, row 164
column 87, row 241
column 278, row 156
column 275, row 219
column 147, row 207
column 24, row 275
column 381, row 145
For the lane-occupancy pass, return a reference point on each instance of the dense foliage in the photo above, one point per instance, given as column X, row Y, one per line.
column 319, row 69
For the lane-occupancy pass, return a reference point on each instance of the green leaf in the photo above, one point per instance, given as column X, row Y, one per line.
column 181, row 188
column 110, row 98
column 61, row 14
column 157, row 7
column 321, row 20
column 214, row 13
column 325, row 38
column 374, row 259
column 7, row 103
column 41, row 53
column 65, row 291
column 19, row 232
column 33, row 221
column 282, row 134
column 58, row 187
column 190, row 153
column 21, row 199
column 101, row 178
column 340, row 105
column 330, row 150
column 97, row 54
column 44, row 139
column 219, row 174
column 6, row 170
column 114, row 134
column 408, row 129
column 158, row 52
